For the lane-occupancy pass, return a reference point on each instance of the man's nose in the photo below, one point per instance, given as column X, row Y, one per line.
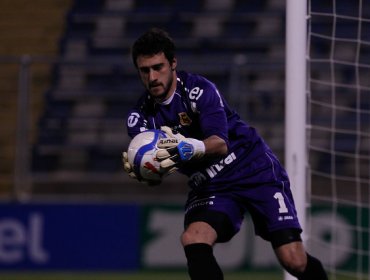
column 152, row 75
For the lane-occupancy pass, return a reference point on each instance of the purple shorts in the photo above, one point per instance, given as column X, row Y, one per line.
column 269, row 202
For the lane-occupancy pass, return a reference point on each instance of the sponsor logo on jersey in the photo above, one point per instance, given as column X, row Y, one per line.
column 184, row 119
column 214, row 169
column 201, row 202
column 195, row 93
column 285, row 218
column 133, row 119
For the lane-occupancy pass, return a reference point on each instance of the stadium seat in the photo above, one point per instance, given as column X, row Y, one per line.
column 95, row 82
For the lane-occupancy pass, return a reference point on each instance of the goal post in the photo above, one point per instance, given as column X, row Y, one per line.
column 295, row 106
column 295, row 102
column 327, row 125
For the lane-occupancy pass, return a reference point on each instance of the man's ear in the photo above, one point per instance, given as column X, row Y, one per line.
column 174, row 64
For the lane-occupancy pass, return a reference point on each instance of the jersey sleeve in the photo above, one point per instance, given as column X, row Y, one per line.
column 135, row 123
column 209, row 104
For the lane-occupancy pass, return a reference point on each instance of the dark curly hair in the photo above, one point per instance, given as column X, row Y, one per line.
column 154, row 41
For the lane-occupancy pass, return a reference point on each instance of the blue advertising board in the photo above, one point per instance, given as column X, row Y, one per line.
column 69, row 236
column 123, row 236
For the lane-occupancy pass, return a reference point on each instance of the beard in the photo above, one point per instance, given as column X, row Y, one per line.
column 166, row 88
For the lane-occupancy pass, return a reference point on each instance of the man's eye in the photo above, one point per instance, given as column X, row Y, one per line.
column 157, row 67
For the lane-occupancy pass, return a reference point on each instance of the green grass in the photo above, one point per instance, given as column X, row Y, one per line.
column 147, row 275
column 133, row 276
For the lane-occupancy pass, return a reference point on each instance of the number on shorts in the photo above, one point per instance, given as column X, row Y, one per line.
column 280, row 198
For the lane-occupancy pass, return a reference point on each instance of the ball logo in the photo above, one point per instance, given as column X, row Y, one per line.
column 168, row 141
column 141, row 154
column 151, row 167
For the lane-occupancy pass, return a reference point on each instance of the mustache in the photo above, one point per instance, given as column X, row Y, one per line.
column 154, row 84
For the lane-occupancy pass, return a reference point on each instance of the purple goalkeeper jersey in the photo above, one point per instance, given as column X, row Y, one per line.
column 198, row 110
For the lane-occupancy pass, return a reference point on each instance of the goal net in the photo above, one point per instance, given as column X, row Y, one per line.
column 338, row 116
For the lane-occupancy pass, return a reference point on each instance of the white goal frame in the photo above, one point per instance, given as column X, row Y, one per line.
column 295, row 106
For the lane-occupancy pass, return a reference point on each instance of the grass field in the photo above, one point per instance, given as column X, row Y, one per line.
column 133, row 276
column 148, row 275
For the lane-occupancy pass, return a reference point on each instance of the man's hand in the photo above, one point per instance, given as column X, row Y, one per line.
column 176, row 149
column 130, row 171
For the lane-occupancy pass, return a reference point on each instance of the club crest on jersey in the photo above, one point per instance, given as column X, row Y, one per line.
column 184, row 119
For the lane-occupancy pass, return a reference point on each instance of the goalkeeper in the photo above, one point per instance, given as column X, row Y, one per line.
column 231, row 169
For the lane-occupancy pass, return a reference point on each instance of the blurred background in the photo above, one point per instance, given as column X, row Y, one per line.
column 69, row 62
column 66, row 84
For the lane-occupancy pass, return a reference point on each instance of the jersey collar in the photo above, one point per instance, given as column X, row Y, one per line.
column 168, row 100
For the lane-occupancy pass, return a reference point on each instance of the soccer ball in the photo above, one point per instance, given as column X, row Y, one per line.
column 141, row 155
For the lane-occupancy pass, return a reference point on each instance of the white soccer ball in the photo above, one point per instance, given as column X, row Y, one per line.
column 141, row 155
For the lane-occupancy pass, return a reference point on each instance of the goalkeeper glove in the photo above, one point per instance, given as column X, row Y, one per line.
column 127, row 166
column 176, row 149
column 130, row 170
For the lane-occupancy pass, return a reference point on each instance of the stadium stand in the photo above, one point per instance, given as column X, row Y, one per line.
column 24, row 30
column 81, row 131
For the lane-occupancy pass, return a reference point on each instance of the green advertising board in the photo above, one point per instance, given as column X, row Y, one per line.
column 337, row 237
